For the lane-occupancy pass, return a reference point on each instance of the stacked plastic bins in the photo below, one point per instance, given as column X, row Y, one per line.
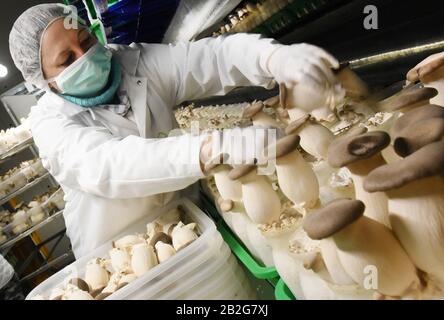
column 138, row 20
column 205, row 269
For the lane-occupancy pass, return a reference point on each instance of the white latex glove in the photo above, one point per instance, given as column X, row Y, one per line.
column 303, row 63
column 239, row 145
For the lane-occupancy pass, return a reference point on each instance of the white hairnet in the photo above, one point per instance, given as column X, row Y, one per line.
column 26, row 36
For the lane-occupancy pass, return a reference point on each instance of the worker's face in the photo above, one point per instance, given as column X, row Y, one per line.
column 61, row 47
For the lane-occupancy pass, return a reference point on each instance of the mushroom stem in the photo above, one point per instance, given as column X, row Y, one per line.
column 336, row 270
column 376, row 204
column 417, row 218
column 367, row 242
column 261, row 202
column 297, row 180
column 228, row 189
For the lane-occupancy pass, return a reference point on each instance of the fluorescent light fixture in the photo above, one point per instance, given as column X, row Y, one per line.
column 3, row 71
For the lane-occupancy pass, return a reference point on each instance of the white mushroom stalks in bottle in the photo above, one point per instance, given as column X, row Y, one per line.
column 363, row 242
column 360, row 152
column 261, row 202
column 295, row 176
column 430, row 72
column 258, row 116
column 415, row 189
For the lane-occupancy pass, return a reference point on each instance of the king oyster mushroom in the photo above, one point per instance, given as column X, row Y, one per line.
column 261, row 202
column 415, row 190
column 164, row 251
column 296, row 177
column 407, row 99
column 430, row 72
column 315, row 138
column 143, row 258
column 183, row 235
column 254, row 111
column 363, row 242
column 353, row 85
column 96, row 275
column 360, row 152
column 418, row 128
column 120, row 260
column 228, row 189
column 128, row 241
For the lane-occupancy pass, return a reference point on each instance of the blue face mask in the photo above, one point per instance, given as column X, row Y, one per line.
column 86, row 76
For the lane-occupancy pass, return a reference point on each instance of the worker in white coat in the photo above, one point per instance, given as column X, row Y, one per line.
column 100, row 126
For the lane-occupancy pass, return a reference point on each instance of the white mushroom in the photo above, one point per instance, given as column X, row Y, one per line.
column 415, row 189
column 296, row 177
column 74, row 293
column 143, row 258
column 360, row 152
column 96, row 274
column 164, row 251
column 363, row 242
column 228, row 189
column 128, row 241
column 183, row 235
column 120, row 260
column 261, row 202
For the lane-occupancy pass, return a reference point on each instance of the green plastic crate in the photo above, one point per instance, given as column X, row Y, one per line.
column 282, row 292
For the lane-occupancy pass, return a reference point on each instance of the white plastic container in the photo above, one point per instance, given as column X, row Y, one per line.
column 190, row 261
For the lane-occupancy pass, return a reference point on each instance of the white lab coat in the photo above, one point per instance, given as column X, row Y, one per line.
column 112, row 171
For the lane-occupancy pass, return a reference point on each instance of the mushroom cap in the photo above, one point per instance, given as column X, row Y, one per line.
column 240, row 171
column 252, row 109
column 426, row 162
column 216, row 161
column 272, row 102
column 79, row 283
column 351, row 148
column 335, row 216
column 416, row 115
column 160, row 236
column 418, row 135
column 283, row 146
column 297, row 124
column 407, row 97
column 426, row 67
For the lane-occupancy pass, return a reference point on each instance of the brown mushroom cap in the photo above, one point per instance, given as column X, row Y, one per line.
column 282, row 147
column 407, row 97
column 335, row 216
column 252, row 109
column 96, row 292
column 426, row 162
column 272, row 102
column 426, row 67
column 297, row 124
column 240, row 171
column 80, row 283
column 102, row 295
column 416, row 115
column 418, row 135
column 351, row 148
column 160, row 236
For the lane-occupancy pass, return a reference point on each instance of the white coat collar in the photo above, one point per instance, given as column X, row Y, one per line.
column 128, row 58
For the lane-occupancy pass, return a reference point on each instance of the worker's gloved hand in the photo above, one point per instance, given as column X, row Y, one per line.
column 239, row 145
column 303, row 63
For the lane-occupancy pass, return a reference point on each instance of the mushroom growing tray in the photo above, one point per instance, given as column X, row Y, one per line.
column 167, row 274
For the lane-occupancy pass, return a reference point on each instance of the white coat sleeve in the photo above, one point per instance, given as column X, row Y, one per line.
column 93, row 160
column 211, row 66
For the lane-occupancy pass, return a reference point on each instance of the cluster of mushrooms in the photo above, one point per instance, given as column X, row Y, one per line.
column 250, row 15
column 131, row 257
column 12, row 137
column 19, row 176
column 380, row 235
